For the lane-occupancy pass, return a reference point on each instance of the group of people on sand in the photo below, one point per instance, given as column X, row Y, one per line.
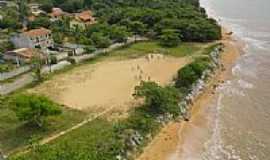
column 151, row 57
column 142, row 75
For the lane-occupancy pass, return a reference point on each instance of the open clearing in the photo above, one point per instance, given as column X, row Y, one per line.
column 98, row 85
column 109, row 83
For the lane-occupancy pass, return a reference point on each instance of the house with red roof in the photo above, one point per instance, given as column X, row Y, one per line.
column 86, row 17
column 83, row 19
column 23, row 55
column 35, row 38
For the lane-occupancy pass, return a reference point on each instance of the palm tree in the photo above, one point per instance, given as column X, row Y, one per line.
column 23, row 11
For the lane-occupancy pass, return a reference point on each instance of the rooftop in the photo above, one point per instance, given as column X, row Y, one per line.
column 86, row 15
column 25, row 52
column 37, row 32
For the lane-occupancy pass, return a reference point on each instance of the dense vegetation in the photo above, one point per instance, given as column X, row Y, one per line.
column 171, row 21
column 149, row 17
column 105, row 140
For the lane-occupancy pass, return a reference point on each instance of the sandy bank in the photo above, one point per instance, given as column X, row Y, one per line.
column 164, row 148
column 109, row 83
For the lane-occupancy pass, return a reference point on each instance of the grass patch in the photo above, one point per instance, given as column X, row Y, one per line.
column 142, row 48
column 96, row 140
column 6, row 67
column 14, row 134
column 210, row 48
column 106, row 140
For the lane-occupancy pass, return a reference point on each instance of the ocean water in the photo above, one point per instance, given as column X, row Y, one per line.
column 236, row 126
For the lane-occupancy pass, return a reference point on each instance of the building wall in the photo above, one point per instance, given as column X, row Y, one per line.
column 14, row 59
column 23, row 41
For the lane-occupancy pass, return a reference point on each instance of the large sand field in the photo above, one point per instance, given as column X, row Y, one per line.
column 109, row 83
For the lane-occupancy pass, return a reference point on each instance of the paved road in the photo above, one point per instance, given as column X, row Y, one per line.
column 15, row 72
column 28, row 78
column 16, row 84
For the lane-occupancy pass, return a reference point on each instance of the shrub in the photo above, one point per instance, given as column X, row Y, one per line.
column 34, row 109
column 140, row 120
column 54, row 60
column 71, row 60
column 159, row 100
column 90, row 49
column 188, row 75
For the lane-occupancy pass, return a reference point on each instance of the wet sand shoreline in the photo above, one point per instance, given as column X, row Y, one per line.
column 168, row 141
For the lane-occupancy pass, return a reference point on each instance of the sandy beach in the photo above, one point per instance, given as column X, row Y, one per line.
column 168, row 141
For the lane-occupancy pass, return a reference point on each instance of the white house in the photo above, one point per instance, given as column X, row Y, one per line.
column 35, row 9
column 36, row 38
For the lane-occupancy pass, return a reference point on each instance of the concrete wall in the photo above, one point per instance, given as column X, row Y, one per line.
column 22, row 42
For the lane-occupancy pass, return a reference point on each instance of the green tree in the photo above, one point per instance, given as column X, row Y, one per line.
column 58, row 37
column 160, row 100
column 100, row 40
column 6, row 46
column 119, row 34
column 40, row 22
column 23, row 11
column 170, row 38
column 72, row 5
column 137, row 28
column 34, row 109
column 9, row 23
column 47, row 6
column 37, row 62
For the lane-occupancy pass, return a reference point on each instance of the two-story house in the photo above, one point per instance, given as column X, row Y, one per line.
column 83, row 19
column 36, row 38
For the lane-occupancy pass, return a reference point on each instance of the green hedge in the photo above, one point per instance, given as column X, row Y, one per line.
column 191, row 73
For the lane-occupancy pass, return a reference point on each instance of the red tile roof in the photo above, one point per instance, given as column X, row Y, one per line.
column 86, row 16
column 26, row 53
column 37, row 32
